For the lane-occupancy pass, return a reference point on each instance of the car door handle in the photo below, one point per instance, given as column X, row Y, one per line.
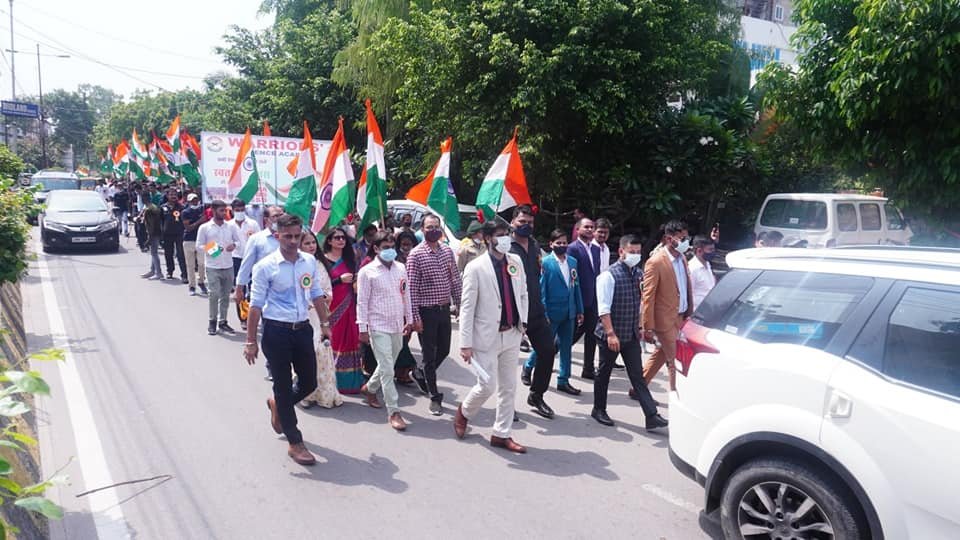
column 840, row 405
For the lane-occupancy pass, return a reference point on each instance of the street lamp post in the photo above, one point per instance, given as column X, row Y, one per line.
column 42, row 119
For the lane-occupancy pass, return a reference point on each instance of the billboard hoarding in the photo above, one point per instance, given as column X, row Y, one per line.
column 219, row 151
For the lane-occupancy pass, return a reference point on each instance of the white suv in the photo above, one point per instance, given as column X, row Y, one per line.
column 818, row 394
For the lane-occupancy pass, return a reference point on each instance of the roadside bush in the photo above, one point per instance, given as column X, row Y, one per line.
column 15, row 205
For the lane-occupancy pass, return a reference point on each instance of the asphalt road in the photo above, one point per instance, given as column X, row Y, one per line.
column 146, row 393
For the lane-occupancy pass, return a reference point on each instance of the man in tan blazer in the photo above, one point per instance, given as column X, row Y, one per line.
column 493, row 314
column 667, row 299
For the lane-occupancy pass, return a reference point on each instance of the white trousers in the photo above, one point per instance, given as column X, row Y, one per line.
column 501, row 364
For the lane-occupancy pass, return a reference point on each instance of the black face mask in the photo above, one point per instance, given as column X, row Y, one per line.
column 524, row 230
column 559, row 250
column 433, row 235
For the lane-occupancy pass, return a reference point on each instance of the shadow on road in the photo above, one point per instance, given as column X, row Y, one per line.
column 554, row 462
column 336, row 468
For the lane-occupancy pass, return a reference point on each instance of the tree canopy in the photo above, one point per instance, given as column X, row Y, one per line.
column 878, row 89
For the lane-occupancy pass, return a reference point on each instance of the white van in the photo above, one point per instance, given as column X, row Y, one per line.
column 832, row 219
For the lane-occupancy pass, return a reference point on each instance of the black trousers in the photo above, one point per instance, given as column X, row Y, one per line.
column 140, row 230
column 632, row 357
column 286, row 348
column 171, row 243
column 541, row 339
column 435, row 344
column 589, row 339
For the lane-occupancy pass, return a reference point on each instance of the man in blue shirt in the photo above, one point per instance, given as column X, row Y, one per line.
column 284, row 284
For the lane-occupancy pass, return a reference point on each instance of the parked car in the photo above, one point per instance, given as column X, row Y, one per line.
column 400, row 207
column 818, row 394
column 819, row 220
column 75, row 218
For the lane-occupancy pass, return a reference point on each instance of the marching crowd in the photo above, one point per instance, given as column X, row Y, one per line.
column 338, row 311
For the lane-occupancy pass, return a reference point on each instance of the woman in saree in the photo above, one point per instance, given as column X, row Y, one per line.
column 338, row 258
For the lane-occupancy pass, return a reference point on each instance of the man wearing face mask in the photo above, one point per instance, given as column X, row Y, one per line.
column 541, row 337
column 667, row 299
column 247, row 227
column 471, row 246
column 193, row 217
column 493, row 313
column 560, row 291
column 702, row 279
column 385, row 316
column 618, row 332
column 435, row 289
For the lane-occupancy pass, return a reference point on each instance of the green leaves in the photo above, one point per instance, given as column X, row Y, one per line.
column 27, row 381
column 40, row 505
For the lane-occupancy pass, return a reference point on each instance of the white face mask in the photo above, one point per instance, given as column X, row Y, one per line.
column 240, row 216
column 503, row 244
column 632, row 259
column 684, row 246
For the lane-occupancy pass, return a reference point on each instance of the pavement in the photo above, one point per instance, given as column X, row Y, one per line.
column 174, row 420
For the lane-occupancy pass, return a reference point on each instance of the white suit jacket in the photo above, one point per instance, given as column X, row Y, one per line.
column 481, row 305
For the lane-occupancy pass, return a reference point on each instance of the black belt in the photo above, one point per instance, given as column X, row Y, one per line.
column 287, row 325
column 437, row 307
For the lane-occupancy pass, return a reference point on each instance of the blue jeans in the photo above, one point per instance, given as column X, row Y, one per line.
column 563, row 335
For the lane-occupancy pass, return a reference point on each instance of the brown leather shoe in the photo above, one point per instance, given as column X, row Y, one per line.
column 299, row 453
column 396, row 422
column 508, row 443
column 274, row 416
column 370, row 397
column 460, row 423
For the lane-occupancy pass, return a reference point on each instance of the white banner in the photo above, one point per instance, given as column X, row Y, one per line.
column 219, row 152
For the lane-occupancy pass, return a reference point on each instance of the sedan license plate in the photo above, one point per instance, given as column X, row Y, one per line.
column 83, row 239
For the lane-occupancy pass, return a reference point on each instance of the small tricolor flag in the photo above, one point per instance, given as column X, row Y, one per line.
column 213, row 249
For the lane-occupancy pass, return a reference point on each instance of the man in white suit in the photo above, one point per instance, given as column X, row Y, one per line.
column 493, row 313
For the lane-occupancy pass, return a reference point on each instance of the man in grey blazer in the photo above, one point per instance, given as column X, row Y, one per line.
column 493, row 314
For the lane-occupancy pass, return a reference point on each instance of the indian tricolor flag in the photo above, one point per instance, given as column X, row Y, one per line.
column 372, row 189
column 335, row 197
column 436, row 190
column 121, row 159
column 244, row 180
column 303, row 169
column 505, row 185
column 141, row 156
column 213, row 249
column 173, row 139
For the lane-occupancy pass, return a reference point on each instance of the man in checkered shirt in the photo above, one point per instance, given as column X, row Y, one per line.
column 435, row 287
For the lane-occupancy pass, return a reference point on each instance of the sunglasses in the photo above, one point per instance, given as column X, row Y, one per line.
column 338, row 237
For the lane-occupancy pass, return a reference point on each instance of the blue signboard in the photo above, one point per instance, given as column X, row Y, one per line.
column 17, row 108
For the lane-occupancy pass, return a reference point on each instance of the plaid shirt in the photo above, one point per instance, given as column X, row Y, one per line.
column 434, row 278
column 383, row 300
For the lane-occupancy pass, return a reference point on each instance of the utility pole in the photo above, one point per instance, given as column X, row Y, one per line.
column 43, row 121
column 13, row 80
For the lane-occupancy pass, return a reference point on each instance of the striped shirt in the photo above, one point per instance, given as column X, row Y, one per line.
column 434, row 278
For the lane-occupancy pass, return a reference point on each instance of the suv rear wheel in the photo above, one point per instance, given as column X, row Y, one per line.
column 785, row 499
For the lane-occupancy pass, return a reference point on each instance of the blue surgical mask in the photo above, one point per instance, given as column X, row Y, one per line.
column 684, row 246
column 709, row 256
column 388, row 255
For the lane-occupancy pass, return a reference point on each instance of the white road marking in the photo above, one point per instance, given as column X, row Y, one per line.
column 104, row 505
column 671, row 498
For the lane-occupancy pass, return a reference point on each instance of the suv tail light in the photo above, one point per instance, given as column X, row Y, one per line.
column 692, row 341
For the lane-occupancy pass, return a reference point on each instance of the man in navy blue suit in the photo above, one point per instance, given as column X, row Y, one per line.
column 587, row 255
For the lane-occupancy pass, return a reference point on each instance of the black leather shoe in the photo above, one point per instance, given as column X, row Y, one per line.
column 525, row 376
column 420, row 379
column 539, row 405
column 656, row 421
column 601, row 416
column 568, row 389
column 589, row 375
